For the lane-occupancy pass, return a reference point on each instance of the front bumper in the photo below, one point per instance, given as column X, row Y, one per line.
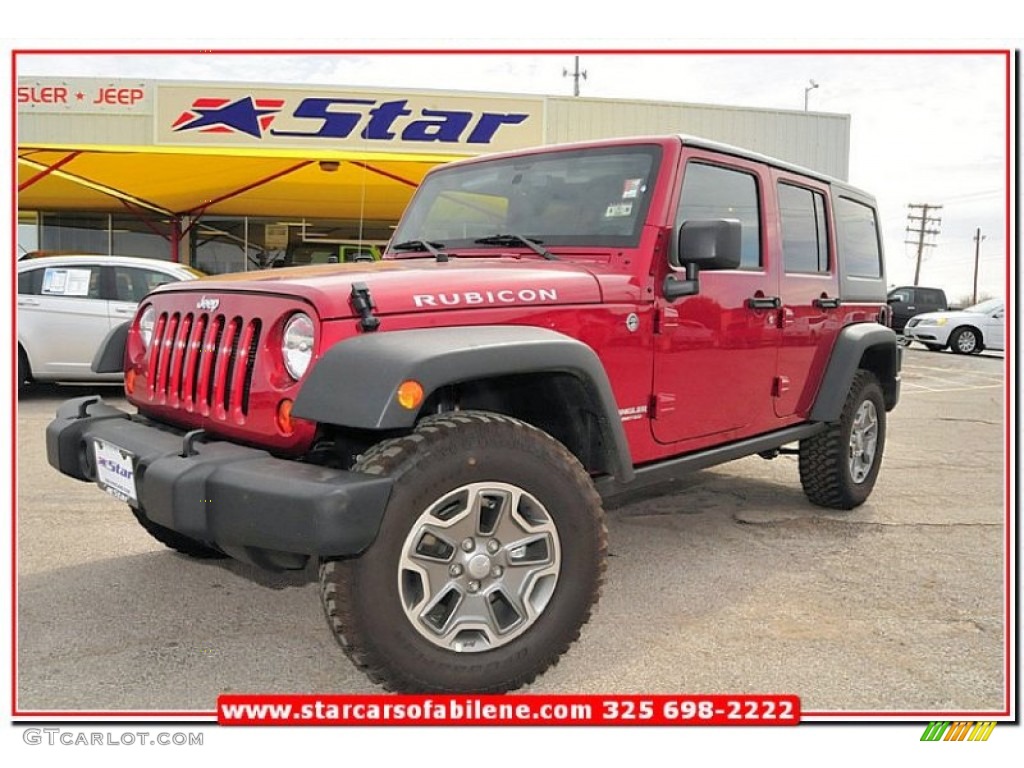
column 272, row 512
column 927, row 334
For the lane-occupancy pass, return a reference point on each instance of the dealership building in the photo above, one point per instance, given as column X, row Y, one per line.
column 229, row 177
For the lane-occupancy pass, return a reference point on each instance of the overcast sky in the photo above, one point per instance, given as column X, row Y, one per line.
column 926, row 128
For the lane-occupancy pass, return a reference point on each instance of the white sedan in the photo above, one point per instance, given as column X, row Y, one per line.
column 67, row 304
column 966, row 332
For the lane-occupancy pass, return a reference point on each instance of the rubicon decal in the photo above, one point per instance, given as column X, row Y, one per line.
column 470, row 298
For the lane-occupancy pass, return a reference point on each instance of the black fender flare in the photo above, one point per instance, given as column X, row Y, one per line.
column 354, row 383
column 109, row 357
column 853, row 343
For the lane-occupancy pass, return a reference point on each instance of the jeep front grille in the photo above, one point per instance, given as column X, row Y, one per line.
column 203, row 363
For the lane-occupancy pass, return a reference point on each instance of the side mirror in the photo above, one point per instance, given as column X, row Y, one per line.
column 703, row 244
column 709, row 243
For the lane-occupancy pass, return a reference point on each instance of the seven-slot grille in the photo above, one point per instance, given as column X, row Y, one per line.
column 203, row 363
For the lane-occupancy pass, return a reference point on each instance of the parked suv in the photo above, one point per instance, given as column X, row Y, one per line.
column 438, row 430
column 910, row 300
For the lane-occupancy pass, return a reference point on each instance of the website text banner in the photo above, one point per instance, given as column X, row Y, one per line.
column 534, row 710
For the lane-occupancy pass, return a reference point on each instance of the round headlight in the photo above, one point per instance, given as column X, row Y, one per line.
column 297, row 345
column 146, row 323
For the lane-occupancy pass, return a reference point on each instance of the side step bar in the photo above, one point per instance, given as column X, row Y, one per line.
column 666, row 471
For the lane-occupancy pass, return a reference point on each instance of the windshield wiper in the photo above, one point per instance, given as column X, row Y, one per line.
column 422, row 245
column 513, row 239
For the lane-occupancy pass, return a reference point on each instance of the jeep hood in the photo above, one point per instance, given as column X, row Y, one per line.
column 419, row 285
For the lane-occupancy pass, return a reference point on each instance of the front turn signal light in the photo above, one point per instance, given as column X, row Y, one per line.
column 285, row 423
column 410, row 394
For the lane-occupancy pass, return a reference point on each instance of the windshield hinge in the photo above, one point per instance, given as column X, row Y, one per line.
column 362, row 303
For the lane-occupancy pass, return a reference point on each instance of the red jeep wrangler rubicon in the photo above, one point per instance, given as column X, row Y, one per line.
column 437, row 430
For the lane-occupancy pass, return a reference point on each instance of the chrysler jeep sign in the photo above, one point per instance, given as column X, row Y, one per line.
column 436, row 123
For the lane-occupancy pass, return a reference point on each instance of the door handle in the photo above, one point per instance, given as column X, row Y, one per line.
column 764, row 302
column 124, row 311
column 826, row 303
column 28, row 303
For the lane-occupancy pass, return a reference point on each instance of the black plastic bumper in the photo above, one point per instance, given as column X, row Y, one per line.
column 269, row 511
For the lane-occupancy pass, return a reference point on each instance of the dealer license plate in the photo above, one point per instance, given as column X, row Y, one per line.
column 115, row 471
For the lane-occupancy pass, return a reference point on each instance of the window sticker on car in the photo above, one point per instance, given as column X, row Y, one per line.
column 616, row 210
column 631, row 188
column 66, row 282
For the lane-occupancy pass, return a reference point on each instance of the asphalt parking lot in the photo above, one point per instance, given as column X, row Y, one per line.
column 732, row 583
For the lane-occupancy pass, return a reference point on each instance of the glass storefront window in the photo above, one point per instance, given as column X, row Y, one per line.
column 219, row 245
column 75, row 233
column 132, row 236
column 28, row 232
column 102, row 233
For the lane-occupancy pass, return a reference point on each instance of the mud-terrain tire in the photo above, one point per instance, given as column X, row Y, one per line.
column 839, row 466
column 488, row 562
column 177, row 541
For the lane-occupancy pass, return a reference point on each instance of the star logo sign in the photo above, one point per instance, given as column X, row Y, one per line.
column 215, row 115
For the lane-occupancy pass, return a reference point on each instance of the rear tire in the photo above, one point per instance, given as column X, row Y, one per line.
column 177, row 541
column 489, row 559
column 839, row 466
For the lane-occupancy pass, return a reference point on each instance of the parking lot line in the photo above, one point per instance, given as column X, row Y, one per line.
column 922, row 388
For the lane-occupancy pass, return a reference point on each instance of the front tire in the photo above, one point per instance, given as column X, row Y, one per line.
column 489, row 559
column 839, row 466
column 965, row 341
column 24, row 370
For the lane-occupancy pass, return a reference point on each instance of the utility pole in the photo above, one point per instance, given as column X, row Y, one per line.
column 576, row 74
column 921, row 229
column 978, row 237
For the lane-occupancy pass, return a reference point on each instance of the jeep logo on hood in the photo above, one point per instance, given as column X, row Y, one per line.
column 207, row 304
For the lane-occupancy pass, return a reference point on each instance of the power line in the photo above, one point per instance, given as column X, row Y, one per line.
column 922, row 231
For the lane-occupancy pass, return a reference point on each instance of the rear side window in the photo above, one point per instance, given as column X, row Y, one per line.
column 804, row 232
column 712, row 192
column 859, row 249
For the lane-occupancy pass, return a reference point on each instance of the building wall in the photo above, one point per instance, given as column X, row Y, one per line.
column 815, row 140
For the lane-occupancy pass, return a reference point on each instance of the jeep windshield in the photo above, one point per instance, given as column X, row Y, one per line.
column 580, row 198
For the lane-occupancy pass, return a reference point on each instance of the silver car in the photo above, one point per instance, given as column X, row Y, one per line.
column 67, row 304
column 966, row 332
